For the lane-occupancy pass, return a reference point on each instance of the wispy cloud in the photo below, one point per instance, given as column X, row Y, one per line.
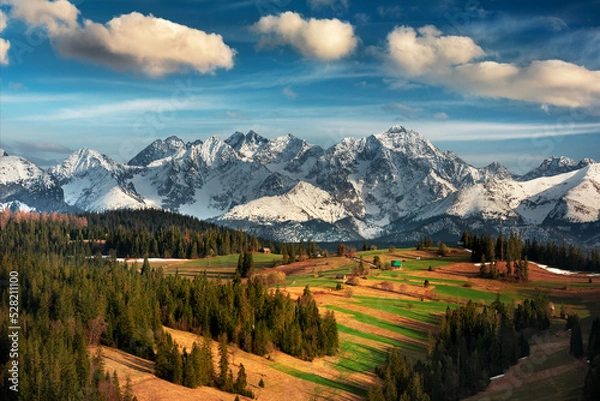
column 128, row 107
column 402, row 109
column 289, row 93
column 39, row 97
column 43, row 147
column 488, row 131
column 233, row 116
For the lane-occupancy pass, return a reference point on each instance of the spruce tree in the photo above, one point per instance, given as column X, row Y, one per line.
column 223, row 360
column 241, row 381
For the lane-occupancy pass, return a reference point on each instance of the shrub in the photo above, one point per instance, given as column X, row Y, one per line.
column 353, row 280
column 468, row 284
column 426, row 283
column 338, row 287
column 261, row 383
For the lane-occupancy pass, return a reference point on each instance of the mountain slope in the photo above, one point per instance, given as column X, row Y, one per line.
column 23, row 185
column 394, row 183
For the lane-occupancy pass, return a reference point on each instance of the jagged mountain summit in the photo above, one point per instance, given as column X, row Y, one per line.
column 395, row 184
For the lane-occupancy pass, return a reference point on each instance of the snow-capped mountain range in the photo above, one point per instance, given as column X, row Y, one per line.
column 394, row 184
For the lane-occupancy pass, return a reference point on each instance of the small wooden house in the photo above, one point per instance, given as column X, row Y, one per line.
column 340, row 277
column 396, row 264
column 266, row 250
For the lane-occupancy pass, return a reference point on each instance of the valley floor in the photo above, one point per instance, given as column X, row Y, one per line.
column 386, row 309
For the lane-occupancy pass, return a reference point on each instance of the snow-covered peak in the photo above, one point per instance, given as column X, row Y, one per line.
column 158, row 150
column 556, row 162
column 213, row 152
column 81, row 162
column 282, row 149
column 236, row 140
column 246, row 145
column 554, row 166
column 497, row 170
column 3, row 153
column 16, row 169
column 408, row 142
column 585, row 162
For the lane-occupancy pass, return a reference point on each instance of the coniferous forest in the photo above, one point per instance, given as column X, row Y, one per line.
column 472, row 346
column 515, row 250
column 72, row 298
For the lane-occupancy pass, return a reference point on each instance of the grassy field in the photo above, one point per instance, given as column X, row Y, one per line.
column 218, row 266
column 394, row 309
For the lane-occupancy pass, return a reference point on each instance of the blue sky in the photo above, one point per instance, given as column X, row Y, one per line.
column 506, row 81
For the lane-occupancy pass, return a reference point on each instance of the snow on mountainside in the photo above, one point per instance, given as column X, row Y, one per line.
column 556, row 165
column 391, row 183
column 159, row 150
column 92, row 181
column 246, row 145
column 24, row 186
column 302, row 203
column 18, row 170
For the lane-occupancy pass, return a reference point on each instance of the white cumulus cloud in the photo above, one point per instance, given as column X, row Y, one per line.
column 451, row 61
column 56, row 16
column 429, row 51
column 322, row 39
column 154, row 46
column 4, row 44
column 3, row 21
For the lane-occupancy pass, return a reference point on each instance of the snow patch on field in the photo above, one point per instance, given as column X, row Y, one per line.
column 566, row 272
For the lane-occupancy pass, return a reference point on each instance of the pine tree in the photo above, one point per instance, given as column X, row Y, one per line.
column 241, row 381
column 128, row 392
column 525, row 270
column 116, row 385
column 145, row 266
column 223, row 360
column 206, row 371
column 190, row 376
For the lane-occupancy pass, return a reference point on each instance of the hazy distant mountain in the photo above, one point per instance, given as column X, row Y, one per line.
column 395, row 184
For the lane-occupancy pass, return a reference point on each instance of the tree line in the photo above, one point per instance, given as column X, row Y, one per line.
column 487, row 248
column 471, row 347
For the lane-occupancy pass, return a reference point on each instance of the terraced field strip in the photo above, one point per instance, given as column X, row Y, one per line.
column 259, row 260
column 316, row 379
column 372, row 337
column 356, row 357
column 223, row 266
column 434, row 280
column 470, row 293
column 414, row 334
column 414, row 310
column 312, row 282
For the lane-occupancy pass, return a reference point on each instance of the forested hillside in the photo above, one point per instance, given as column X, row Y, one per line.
column 71, row 298
column 513, row 248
